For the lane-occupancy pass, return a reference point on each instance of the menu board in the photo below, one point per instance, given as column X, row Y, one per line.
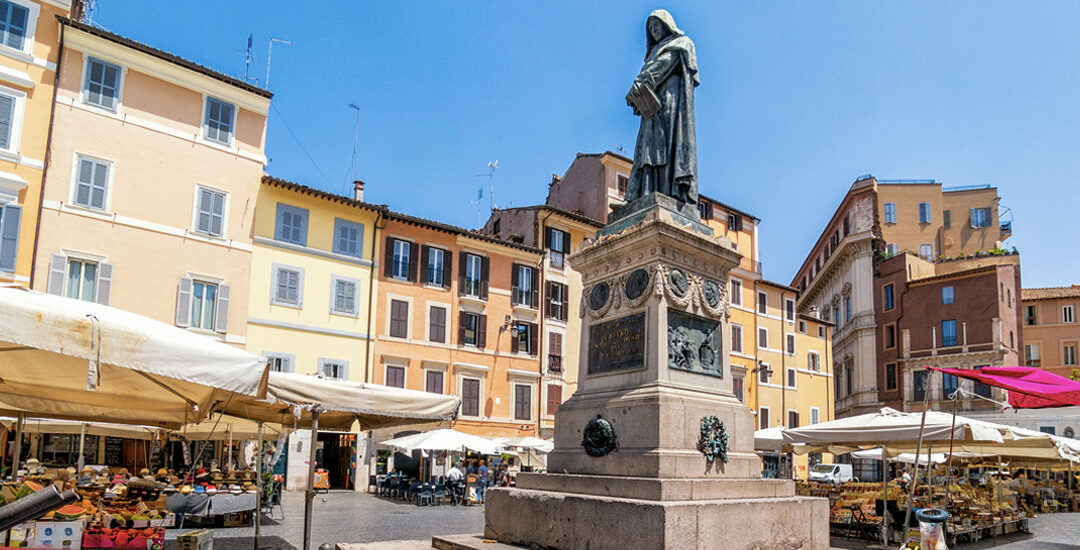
column 114, row 451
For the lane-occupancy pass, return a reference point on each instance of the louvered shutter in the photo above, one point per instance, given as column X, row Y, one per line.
column 515, row 286
column 388, row 257
column 448, row 260
column 57, row 267
column 461, row 328
column 547, row 299
column 484, row 266
column 10, row 218
column 104, row 285
column 414, row 262
column 462, row 266
column 564, row 295
column 547, row 238
column 183, row 302
column 425, row 256
column 7, row 109
column 533, row 337
column 481, row 332
column 566, row 243
column 514, row 338
column 221, row 323
column 534, row 293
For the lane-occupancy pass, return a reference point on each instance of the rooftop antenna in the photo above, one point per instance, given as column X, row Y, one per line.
column 247, row 59
column 356, row 136
column 492, row 167
column 269, row 51
column 479, row 200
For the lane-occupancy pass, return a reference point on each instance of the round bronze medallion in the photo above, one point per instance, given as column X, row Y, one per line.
column 711, row 291
column 637, row 283
column 599, row 296
column 598, row 438
column 678, row 282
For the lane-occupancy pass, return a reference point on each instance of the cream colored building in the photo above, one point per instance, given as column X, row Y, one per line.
column 149, row 197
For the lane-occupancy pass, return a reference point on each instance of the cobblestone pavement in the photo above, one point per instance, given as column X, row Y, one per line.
column 348, row 517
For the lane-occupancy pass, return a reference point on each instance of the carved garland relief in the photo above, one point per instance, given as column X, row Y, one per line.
column 678, row 288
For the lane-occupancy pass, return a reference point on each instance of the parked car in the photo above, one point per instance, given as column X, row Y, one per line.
column 831, row 473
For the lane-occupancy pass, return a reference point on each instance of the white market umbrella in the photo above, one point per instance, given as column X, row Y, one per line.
column 444, row 440
column 892, row 428
column 528, row 443
column 769, row 439
column 67, row 358
column 906, row 458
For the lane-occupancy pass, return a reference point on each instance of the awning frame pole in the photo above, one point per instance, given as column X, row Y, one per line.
column 309, row 494
column 884, row 495
column 18, row 446
column 258, row 481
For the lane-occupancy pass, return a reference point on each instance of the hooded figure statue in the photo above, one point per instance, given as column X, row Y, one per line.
column 665, row 157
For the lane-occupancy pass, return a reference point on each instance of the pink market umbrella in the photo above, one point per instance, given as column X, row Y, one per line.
column 1029, row 387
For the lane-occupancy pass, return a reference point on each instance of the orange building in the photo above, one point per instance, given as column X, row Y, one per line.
column 458, row 312
column 1051, row 332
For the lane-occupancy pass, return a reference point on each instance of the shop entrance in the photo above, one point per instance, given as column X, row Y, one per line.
column 334, row 454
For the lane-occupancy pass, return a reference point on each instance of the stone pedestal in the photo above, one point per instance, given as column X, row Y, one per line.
column 654, row 366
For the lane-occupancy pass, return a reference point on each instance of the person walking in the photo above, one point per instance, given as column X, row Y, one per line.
column 482, row 483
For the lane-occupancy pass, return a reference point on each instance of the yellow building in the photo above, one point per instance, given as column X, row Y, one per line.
column 29, row 51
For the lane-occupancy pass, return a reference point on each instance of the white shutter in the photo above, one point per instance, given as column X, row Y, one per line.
column 183, row 302
column 57, row 267
column 221, row 323
column 9, row 236
column 104, row 284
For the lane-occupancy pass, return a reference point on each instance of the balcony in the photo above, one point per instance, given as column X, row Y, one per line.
column 556, row 259
column 472, row 288
column 1033, row 363
column 524, row 297
column 554, row 363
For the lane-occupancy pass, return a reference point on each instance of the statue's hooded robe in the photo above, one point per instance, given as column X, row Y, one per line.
column 665, row 158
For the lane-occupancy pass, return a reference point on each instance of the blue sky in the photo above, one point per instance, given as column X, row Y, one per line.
column 797, row 99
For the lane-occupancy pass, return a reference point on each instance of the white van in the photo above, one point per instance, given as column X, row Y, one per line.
column 831, row 473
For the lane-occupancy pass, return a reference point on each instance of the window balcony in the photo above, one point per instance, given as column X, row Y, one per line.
column 556, row 259
column 555, row 363
column 1033, row 363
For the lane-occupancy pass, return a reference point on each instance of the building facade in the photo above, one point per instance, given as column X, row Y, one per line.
column 29, row 53
column 150, row 152
column 1051, row 330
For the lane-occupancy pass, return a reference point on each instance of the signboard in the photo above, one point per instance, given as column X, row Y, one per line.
column 114, row 451
column 617, row 345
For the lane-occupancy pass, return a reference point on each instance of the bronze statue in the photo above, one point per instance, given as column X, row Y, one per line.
column 665, row 158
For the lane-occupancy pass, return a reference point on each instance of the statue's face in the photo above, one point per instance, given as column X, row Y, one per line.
column 656, row 29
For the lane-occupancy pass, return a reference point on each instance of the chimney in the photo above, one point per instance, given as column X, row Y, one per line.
column 358, row 190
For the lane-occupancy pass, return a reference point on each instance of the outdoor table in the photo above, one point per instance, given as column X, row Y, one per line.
column 202, row 504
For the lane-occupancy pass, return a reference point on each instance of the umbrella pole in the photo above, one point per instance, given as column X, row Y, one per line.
column 228, row 452
column 952, row 438
column 884, row 497
column 918, row 447
column 258, row 482
column 82, row 446
column 18, row 446
column 309, row 495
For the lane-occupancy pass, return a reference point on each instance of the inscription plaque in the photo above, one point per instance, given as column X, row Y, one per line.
column 695, row 344
column 617, row 345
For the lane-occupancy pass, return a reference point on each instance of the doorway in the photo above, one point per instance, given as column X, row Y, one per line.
column 334, row 454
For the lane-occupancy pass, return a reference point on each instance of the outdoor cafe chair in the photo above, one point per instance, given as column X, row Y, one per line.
column 424, row 493
column 439, row 492
column 414, row 488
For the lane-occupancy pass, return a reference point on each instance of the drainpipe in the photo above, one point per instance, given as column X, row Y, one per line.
column 541, row 226
column 370, row 361
column 48, row 156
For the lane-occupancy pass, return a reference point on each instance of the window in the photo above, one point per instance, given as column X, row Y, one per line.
column 348, row 238
column 344, row 297
column 789, row 309
column 470, row 397
column 763, row 373
column 926, row 251
column 91, row 183
column 473, row 279
column 705, row 210
column 763, row 337
column 523, row 339
column 734, row 222
column 395, row 377
column 890, row 336
column 792, row 376
column 889, row 297
column 288, row 286
column 401, row 267
column 1067, row 314
column 763, row 418
column 836, row 315
column 890, row 212
column 436, row 266
column 522, row 402
column 339, row 370
column 556, row 301
column 847, row 310
column 472, row 330
column 558, row 246
column 821, row 332
column 813, row 361
column 554, row 398
column 399, row 318
column 980, row 217
column 1008, row 294
column 924, row 212
column 14, row 22
column 890, row 376
column 790, row 344
column 82, row 280
column 210, row 216
column 736, row 338
column 219, row 121
column 737, row 387
column 762, row 303
column 437, row 324
column 946, row 219
column 1048, row 430
column 204, row 298
column 946, row 295
column 891, row 250
column 10, row 119
column 620, row 184
column 792, row 419
column 102, row 86
column 291, row 224
column 849, row 378
column 948, row 333
column 1069, row 354
column 802, row 327
column 1031, row 355
column 1030, row 317
column 555, row 352
column 815, row 415
column 919, row 380
column 433, row 381
column 736, row 292
column 279, row 362
column 523, row 289
column 949, row 383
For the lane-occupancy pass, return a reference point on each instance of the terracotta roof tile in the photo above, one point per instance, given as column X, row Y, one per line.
column 1051, row 293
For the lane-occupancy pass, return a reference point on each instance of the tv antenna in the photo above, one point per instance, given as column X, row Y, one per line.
column 356, row 136
column 248, row 57
column 492, row 167
column 269, row 51
column 479, row 200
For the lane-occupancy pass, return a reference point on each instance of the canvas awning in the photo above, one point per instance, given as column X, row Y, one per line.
column 71, row 427
column 229, row 427
column 80, row 360
column 444, row 440
column 769, row 439
column 527, row 444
